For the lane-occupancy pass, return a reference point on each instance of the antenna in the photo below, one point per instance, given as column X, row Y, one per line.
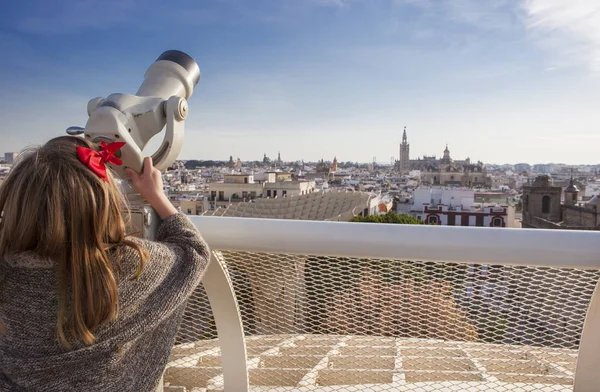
column 572, row 170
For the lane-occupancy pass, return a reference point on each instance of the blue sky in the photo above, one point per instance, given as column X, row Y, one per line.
column 498, row 80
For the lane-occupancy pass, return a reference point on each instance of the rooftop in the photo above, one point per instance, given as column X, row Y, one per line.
column 333, row 205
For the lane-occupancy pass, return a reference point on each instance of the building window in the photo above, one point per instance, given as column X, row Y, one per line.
column 284, row 193
column 252, row 195
column 189, row 211
column 268, row 193
column 245, row 180
column 451, row 220
column 479, row 221
column 433, row 220
column 497, row 222
column 244, row 194
column 464, row 220
column 275, row 193
column 221, row 195
column 419, row 217
column 546, row 204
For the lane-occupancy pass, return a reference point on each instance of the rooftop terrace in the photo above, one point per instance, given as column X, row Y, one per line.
column 333, row 205
column 333, row 306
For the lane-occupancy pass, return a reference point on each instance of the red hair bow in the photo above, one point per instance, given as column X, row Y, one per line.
column 96, row 160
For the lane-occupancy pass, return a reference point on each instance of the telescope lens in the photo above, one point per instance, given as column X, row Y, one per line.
column 174, row 73
column 185, row 61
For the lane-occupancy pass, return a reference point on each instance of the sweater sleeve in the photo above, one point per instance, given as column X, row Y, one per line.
column 176, row 263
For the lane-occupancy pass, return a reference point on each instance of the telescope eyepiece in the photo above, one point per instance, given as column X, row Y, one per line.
column 185, row 61
column 174, row 73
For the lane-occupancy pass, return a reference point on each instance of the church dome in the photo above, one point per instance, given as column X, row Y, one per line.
column 572, row 188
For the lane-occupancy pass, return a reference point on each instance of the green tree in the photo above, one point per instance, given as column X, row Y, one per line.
column 192, row 164
column 390, row 217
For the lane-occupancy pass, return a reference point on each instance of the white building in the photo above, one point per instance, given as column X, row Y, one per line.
column 456, row 207
column 244, row 187
column 10, row 157
column 4, row 170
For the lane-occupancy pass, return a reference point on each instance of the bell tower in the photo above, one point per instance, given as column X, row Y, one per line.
column 404, row 164
column 571, row 192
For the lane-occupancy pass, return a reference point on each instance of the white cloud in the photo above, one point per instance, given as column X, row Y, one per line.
column 568, row 28
column 487, row 15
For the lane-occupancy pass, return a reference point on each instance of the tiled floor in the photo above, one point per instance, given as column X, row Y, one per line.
column 354, row 363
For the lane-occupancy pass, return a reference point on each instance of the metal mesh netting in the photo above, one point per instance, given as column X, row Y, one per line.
column 316, row 323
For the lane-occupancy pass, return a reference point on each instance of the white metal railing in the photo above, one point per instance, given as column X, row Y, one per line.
column 502, row 246
column 465, row 245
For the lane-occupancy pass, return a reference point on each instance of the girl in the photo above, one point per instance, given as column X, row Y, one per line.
column 83, row 305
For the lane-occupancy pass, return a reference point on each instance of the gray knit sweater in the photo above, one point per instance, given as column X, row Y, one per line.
column 131, row 352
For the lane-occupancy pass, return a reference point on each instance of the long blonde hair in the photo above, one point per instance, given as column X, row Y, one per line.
column 56, row 207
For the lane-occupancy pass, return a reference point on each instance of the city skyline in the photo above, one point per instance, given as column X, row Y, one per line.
column 499, row 81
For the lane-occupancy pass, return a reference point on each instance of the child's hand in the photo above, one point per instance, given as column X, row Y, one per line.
column 150, row 186
column 149, row 183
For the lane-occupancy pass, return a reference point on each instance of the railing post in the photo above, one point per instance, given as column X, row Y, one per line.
column 587, row 374
column 226, row 312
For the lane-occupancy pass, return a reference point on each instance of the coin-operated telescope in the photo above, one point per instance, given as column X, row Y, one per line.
column 134, row 119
